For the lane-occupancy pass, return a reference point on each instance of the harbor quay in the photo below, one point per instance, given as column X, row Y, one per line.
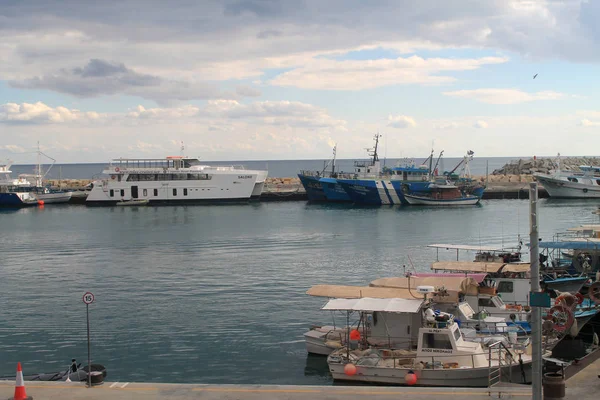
column 584, row 385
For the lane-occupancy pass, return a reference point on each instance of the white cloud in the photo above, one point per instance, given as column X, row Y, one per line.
column 447, row 125
column 40, row 113
column 12, row 148
column 368, row 74
column 401, row 121
column 504, row 96
column 480, row 124
column 587, row 123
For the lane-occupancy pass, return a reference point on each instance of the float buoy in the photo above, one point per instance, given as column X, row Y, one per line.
column 410, row 378
column 350, row 369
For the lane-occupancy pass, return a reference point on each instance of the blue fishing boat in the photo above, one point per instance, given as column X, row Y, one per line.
column 14, row 192
column 324, row 185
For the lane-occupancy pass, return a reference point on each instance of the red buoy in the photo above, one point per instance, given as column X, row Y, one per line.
column 354, row 334
column 350, row 369
column 40, row 202
column 410, row 378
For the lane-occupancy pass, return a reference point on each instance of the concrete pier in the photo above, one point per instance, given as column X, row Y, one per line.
column 155, row 391
column 582, row 384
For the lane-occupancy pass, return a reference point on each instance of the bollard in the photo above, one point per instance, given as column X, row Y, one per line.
column 554, row 386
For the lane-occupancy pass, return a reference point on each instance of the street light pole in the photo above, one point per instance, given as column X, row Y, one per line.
column 536, row 312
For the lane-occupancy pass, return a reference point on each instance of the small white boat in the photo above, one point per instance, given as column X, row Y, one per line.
column 53, row 196
column 442, row 194
column 133, row 203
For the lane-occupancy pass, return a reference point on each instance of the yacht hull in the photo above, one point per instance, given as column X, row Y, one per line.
column 424, row 201
column 564, row 189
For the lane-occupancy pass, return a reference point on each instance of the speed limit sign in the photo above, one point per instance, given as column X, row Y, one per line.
column 88, row 298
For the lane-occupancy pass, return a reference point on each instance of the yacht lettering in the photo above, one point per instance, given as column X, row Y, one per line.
column 436, row 351
column 245, row 177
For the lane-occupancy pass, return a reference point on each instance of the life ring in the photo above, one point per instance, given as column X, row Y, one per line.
column 594, row 292
column 579, row 297
column 567, row 300
column 561, row 317
column 117, row 169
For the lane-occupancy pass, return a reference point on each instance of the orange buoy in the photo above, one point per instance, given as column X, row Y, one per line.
column 40, row 202
column 410, row 378
column 354, row 334
column 350, row 369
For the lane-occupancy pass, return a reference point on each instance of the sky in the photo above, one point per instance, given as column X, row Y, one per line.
column 278, row 79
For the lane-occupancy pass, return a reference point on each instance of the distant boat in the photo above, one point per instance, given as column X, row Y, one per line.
column 45, row 193
column 14, row 192
column 133, row 203
column 444, row 194
column 583, row 184
column 175, row 180
column 325, row 185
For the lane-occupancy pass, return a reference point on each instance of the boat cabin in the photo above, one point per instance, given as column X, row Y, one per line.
column 444, row 345
column 392, row 321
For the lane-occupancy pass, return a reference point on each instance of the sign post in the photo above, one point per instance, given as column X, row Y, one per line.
column 88, row 298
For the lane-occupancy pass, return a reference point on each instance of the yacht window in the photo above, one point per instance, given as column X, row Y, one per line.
column 573, row 179
column 174, row 192
column 359, row 170
column 457, row 334
column 436, row 341
column 112, row 193
column 155, row 192
column 485, row 302
column 122, row 192
column 145, row 192
column 185, row 192
column 598, row 181
column 506, row 287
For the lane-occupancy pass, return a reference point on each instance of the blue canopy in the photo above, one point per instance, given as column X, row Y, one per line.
column 574, row 245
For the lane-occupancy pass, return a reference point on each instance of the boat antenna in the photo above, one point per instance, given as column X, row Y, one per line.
column 431, row 161
column 182, row 149
column 438, row 160
column 333, row 163
column 487, row 173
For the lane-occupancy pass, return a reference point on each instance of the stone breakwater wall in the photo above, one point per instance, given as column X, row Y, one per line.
column 544, row 165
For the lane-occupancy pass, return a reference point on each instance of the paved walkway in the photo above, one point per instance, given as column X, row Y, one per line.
column 585, row 385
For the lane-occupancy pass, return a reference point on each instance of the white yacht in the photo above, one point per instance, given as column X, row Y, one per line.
column 582, row 184
column 175, row 179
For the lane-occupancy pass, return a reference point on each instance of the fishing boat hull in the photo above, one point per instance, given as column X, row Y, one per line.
column 380, row 192
column 565, row 189
column 455, row 377
column 571, row 285
column 54, row 197
column 426, row 201
column 334, row 192
column 16, row 199
column 313, row 188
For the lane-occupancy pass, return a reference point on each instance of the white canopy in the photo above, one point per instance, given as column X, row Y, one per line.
column 466, row 247
column 369, row 304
